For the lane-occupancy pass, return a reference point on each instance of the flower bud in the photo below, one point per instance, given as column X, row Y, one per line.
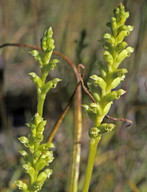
column 23, row 153
column 21, row 185
column 108, row 57
column 125, row 53
column 36, row 79
column 105, row 127
column 94, row 132
column 24, row 140
column 99, row 81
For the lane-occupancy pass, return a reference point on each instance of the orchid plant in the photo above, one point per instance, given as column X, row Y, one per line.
column 39, row 155
column 104, row 87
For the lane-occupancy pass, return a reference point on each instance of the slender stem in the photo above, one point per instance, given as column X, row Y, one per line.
column 92, row 153
column 40, row 104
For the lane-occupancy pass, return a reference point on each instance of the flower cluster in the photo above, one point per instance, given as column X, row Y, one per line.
column 37, row 158
column 39, row 155
column 102, row 88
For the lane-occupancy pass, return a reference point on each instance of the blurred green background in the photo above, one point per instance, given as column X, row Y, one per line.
column 121, row 162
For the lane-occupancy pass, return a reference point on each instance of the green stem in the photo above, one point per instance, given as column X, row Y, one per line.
column 41, row 96
column 40, row 104
column 92, row 153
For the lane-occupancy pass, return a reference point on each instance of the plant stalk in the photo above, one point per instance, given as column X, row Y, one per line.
column 92, row 153
column 40, row 104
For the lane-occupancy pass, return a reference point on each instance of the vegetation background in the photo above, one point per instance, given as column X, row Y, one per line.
column 121, row 160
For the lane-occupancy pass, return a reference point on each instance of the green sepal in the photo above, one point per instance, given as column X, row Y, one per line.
column 43, row 175
column 22, row 186
column 109, row 38
column 121, row 35
column 40, row 127
column 95, row 92
column 46, row 146
column 24, row 140
column 120, row 92
column 27, row 158
column 103, row 69
column 48, row 157
column 90, row 113
column 37, row 56
column 107, row 108
column 23, row 153
column 36, row 79
column 94, row 132
column 49, row 85
column 127, row 28
column 113, row 95
column 40, row 164
column 41, row 179
column 119, row 73
column 108, row 57
column 105, row 127
column 93, row 111
column 121, row 46
column 117, row 81
column 113, row 26
column 99, row 81
column 50, row 66
column 30, row 170
column 36, row 155
column 123, row 54
column 109, row 97
column 107, row 46
column 34, row 53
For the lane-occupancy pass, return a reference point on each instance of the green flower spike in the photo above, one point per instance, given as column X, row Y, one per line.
column 39, row 155
column 116, row 51
column 102, row 88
